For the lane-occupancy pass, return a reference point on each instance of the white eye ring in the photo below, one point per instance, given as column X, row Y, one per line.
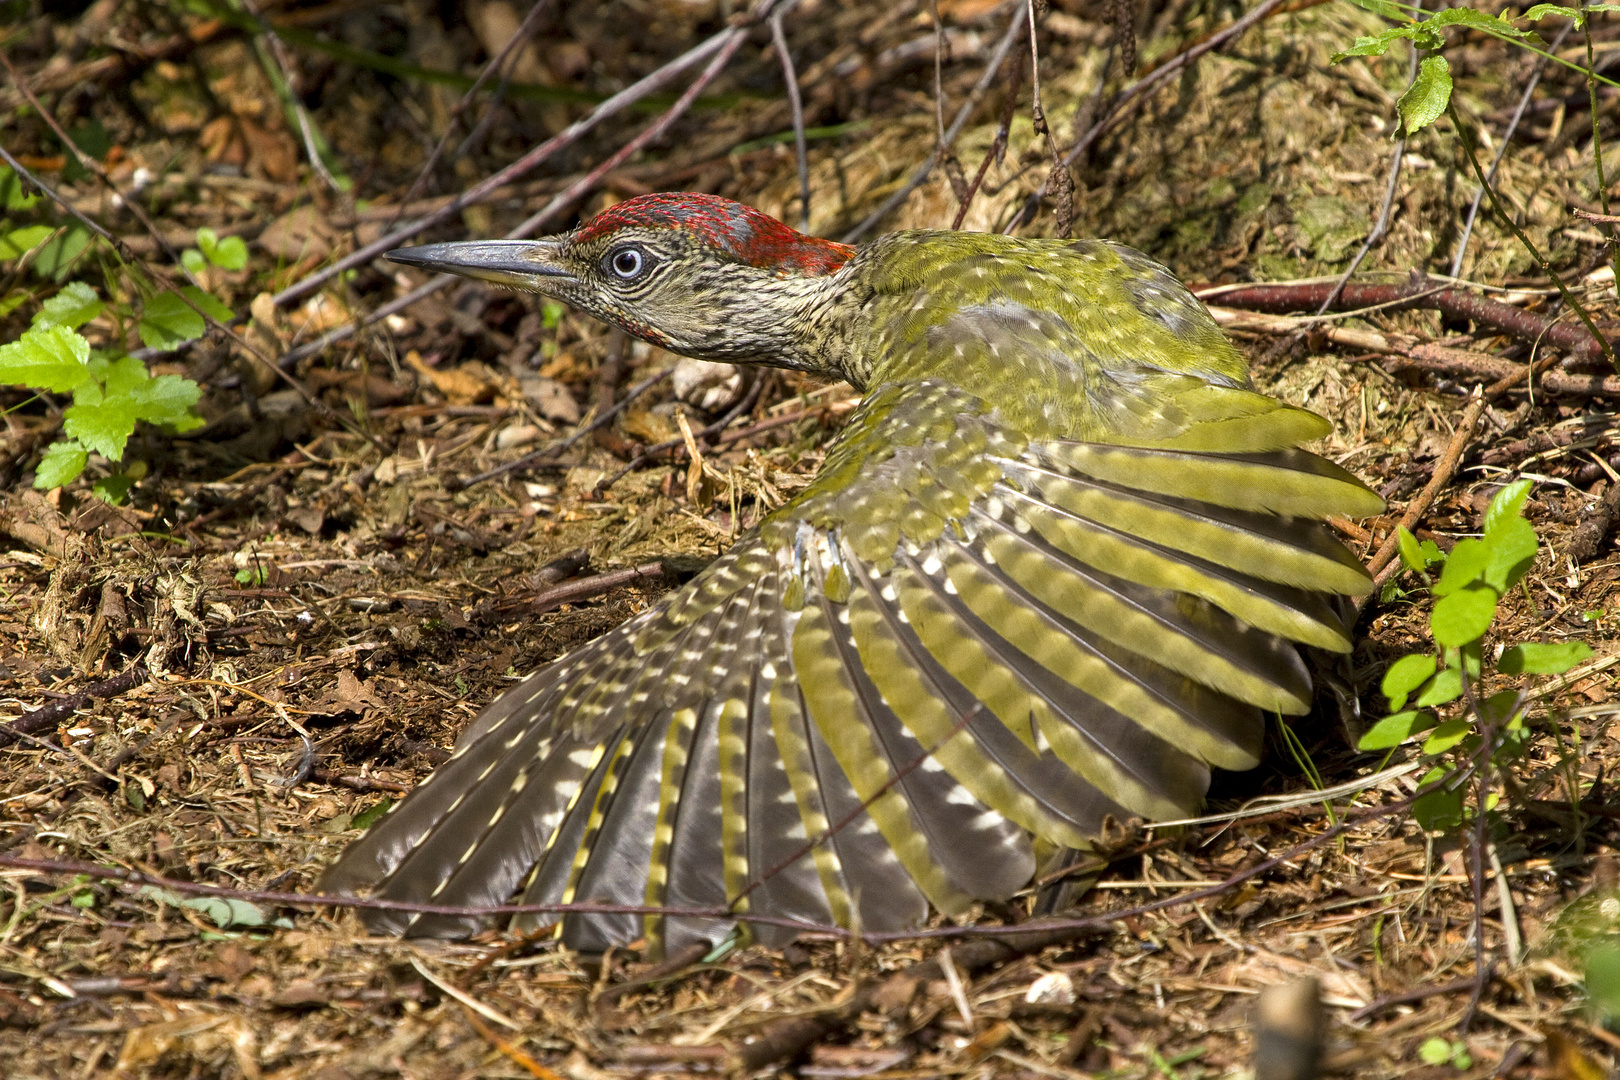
column 626, row 263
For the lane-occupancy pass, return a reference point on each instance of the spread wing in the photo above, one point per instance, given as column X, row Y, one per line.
column 955, row 640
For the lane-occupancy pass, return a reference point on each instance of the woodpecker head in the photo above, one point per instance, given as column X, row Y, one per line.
column 696, row 274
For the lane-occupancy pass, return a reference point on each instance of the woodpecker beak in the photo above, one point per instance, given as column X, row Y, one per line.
column 519, row 264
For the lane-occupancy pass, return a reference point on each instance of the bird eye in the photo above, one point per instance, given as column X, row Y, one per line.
column 627, row 263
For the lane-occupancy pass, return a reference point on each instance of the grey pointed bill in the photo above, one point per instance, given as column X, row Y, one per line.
column 514, row 263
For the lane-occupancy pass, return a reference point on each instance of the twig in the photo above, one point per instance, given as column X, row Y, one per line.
column 592, row 586
column 1416, row 294
column 1501, row 151
column 614, row 105
column 49, row 716
column 667, row 445
column 800, row 151
column 540, row 455
column 496, row 63
column 922, row 171
column 1513, row 226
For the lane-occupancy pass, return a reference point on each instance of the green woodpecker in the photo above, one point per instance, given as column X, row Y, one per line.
column 1055, row 568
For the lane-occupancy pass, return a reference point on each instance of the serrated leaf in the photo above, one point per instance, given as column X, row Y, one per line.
column 1406, row 675
column 102, row 417
column 1543, row 658
column 73, row 306
column 1425, row 100
column 1443, row 689
column 1393, row 730
column 14, row 244
column 61, row 464
column 1471, row 19
column 1464, row 566
column 1507, row 503
column 1447, row 733
column 1463, row 616
column 1510, row 551
column 169, row 322
column 50, row 358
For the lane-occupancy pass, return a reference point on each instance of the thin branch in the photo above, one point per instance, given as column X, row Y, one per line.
column 496, row 63
column 922, row 171
column 614, row 105
column 1519, row 234
column 1501, row 151
column 795, row 101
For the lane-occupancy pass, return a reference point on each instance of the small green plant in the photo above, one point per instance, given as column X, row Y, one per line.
column 1438, row 1051
column 1433, row 694
column 112, row 391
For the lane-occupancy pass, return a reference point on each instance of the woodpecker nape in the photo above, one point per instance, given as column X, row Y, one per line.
column 1056, row 567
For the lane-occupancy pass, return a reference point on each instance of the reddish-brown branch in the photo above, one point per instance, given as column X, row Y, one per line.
column 1419, row 294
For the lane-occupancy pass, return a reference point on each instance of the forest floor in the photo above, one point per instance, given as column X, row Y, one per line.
column 298, row 606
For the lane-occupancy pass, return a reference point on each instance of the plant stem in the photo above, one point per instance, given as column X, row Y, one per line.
column 1513, row 226
column 1597, row 142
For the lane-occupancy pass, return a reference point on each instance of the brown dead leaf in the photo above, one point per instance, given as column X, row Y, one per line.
column 298, row 234
column 468, row 384
column 272, row 153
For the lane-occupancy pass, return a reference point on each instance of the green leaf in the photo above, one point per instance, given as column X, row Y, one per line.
column 371, row 814
column 72, row 307
column 1463, row 616
column 1411, row 554
column 228, row 254
column 1603, row 979
column 1393, row 730
column 1390, row 11
column 1464, row 566
column 56, row 258
column 1425, row 100
column 102, row 417
column 193, row 260
column 61, row 464
column 168, row 322
column 1541, row 11
column 1405, row 675
column 114, row 489
column 50, row 358
column 1446, row 688
column 226, row 913
column 210, row 304
column 1538, row 658
column 1438, row 811
column 1507, row 503
column 1447, row 733
column 1510, row 548
column 11, row 190
column 14, row 244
